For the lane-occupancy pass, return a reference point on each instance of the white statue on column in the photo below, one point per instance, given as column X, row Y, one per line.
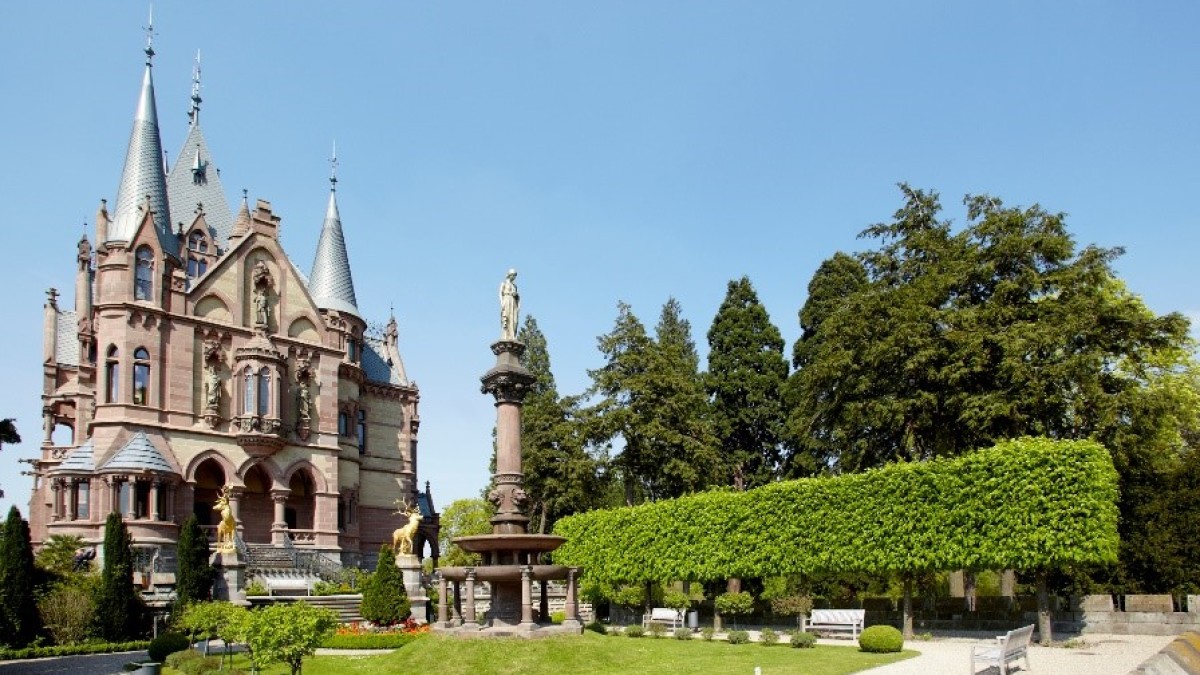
column 510, row 306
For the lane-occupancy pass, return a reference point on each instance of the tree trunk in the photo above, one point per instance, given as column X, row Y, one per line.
column 1008, row 583
column 969, row 589
column 733, row 585
column 907, row 631
column 1043, row 601
column 716, row 620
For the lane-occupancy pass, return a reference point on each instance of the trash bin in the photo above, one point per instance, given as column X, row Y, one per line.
column 693, row 619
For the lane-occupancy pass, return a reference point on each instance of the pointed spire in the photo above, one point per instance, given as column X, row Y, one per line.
column 242, row 225
column 330, row 283
column 194, row 111
column 143, row 174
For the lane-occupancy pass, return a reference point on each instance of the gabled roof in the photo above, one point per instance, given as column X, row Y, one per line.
column 81, row 459
column 143, row 176
column 330, row 283
column 378, row 367
column 195, row 180
column 137, row 455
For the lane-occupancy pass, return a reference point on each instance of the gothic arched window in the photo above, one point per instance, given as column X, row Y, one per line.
column 141, row 376
column 143, row 280
column 112, row 375
column 343, row 423
column 248, row 394
column 264, row 391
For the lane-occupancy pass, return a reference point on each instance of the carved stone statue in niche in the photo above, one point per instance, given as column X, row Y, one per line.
column 304, row 380
column 212, row 387
column 262, row 301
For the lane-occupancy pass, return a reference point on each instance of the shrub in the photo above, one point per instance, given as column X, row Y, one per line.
column 682, row 634
column 596, row 627
column 384, row 599
column 802, row 640
column 195, row 576
column 676, row 599
column 657, row 630
column 166, row 644
column 707, row 634
column 287, row 633
column 72, row 650
column 792, row 605
column 118, row 605
column 331, row 588
column 634, row 631
column 734, row 604
column 557, row 617
column 738, row 637
column 880, row 639
column 257, row 587
column 57, row 554
column 768, row 637
column 68, row 611
column 191, row 662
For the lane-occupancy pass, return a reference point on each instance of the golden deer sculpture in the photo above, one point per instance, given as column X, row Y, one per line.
column 402, row 538
column 228, row 526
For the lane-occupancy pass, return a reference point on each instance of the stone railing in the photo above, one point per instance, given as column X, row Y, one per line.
column 1138, row 615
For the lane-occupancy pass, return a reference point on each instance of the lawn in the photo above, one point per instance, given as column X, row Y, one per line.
column 592, row 653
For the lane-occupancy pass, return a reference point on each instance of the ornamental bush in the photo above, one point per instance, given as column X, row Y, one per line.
column 118, row 606
column 657, row 630
column 802, row 640
column 166, row 644
column 195, row 576
column 18, row 578
column 738, row 637
column 287, row 632
column 683, row 634
column 768, row 637
column 596, row 627
column 880, row 639
column 1024, row 504
column 385, row 601
column 634, row 631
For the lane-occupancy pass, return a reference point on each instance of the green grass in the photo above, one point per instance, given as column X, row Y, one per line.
column 591, row 653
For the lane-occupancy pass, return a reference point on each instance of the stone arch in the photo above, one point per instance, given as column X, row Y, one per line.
column 227, row 467
column 271, row 469
column 213, row 306
column 317, row 478
column 304, row 328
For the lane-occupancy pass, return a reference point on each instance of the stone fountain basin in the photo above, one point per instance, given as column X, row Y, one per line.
column 524, row 543
column 504, row 572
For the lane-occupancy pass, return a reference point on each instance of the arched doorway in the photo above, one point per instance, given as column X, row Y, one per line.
column 257, row 509
column 210, row 478
column 301, row 503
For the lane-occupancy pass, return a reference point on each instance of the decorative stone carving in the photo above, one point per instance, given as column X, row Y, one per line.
column 262, row 301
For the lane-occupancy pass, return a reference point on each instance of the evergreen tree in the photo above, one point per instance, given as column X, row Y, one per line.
column 654, row 402
column 18, row 579
column 118, row 605
column 196, row 575
column 746, row 376
column 385, row 600
column 560, row 476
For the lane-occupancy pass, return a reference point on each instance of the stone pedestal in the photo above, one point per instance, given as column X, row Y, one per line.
column 230, row 584
column 410, row 570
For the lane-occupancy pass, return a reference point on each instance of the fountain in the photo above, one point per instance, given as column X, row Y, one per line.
column 512, row 558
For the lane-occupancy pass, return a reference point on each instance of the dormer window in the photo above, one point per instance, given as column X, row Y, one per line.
column 197, row 261
column 199, row 170
column 143, row 279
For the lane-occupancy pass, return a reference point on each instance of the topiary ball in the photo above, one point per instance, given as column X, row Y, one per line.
column 166, row 644
column 880, row 640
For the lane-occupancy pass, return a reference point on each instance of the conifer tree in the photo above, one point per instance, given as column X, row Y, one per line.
column 746, row 376
column 17, row 582
column 118, row 605
column 385, row 600
column 196, row 575
column 560, row 476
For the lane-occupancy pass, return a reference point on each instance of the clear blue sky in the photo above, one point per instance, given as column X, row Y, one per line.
column 609, row 151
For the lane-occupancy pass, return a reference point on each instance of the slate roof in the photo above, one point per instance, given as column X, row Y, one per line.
column 143, row 175
column 375, row 363
column 330, row 283
column 183, row 192
column 79, row 460
column 138, row 454
column 66, row 345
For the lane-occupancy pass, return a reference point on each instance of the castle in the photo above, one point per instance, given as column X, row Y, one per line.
column 198, row 357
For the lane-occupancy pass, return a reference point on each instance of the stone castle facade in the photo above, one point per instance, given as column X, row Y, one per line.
column 197, row 356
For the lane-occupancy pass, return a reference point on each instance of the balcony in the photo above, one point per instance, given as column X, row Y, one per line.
column 259, row 435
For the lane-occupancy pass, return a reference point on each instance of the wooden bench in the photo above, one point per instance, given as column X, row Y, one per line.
column 671, row 617
column 838, row 619
column 1009, row 647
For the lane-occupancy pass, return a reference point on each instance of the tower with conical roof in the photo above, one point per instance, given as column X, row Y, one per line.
column 143, row 182
column 330, row 282
column 194, row 183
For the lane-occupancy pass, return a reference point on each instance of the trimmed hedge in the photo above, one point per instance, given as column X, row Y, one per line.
column 1024, row 504
column 73, row 650
column 370, row 641
column 881, row 639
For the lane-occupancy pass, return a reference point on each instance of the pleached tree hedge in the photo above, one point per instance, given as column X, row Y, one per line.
column 1027, row 504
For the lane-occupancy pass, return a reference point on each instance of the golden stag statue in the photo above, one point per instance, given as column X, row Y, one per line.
column 228, row 526
column 402, row 538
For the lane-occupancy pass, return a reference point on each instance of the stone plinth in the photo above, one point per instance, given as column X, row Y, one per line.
column 230, row 584
column 410, row 570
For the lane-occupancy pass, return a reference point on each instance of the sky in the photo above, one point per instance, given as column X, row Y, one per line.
column 611, row 151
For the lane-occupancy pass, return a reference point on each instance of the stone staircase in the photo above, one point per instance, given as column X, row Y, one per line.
column 348, row 607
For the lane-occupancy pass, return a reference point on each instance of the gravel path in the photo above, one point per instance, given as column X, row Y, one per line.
column 1093, row 654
